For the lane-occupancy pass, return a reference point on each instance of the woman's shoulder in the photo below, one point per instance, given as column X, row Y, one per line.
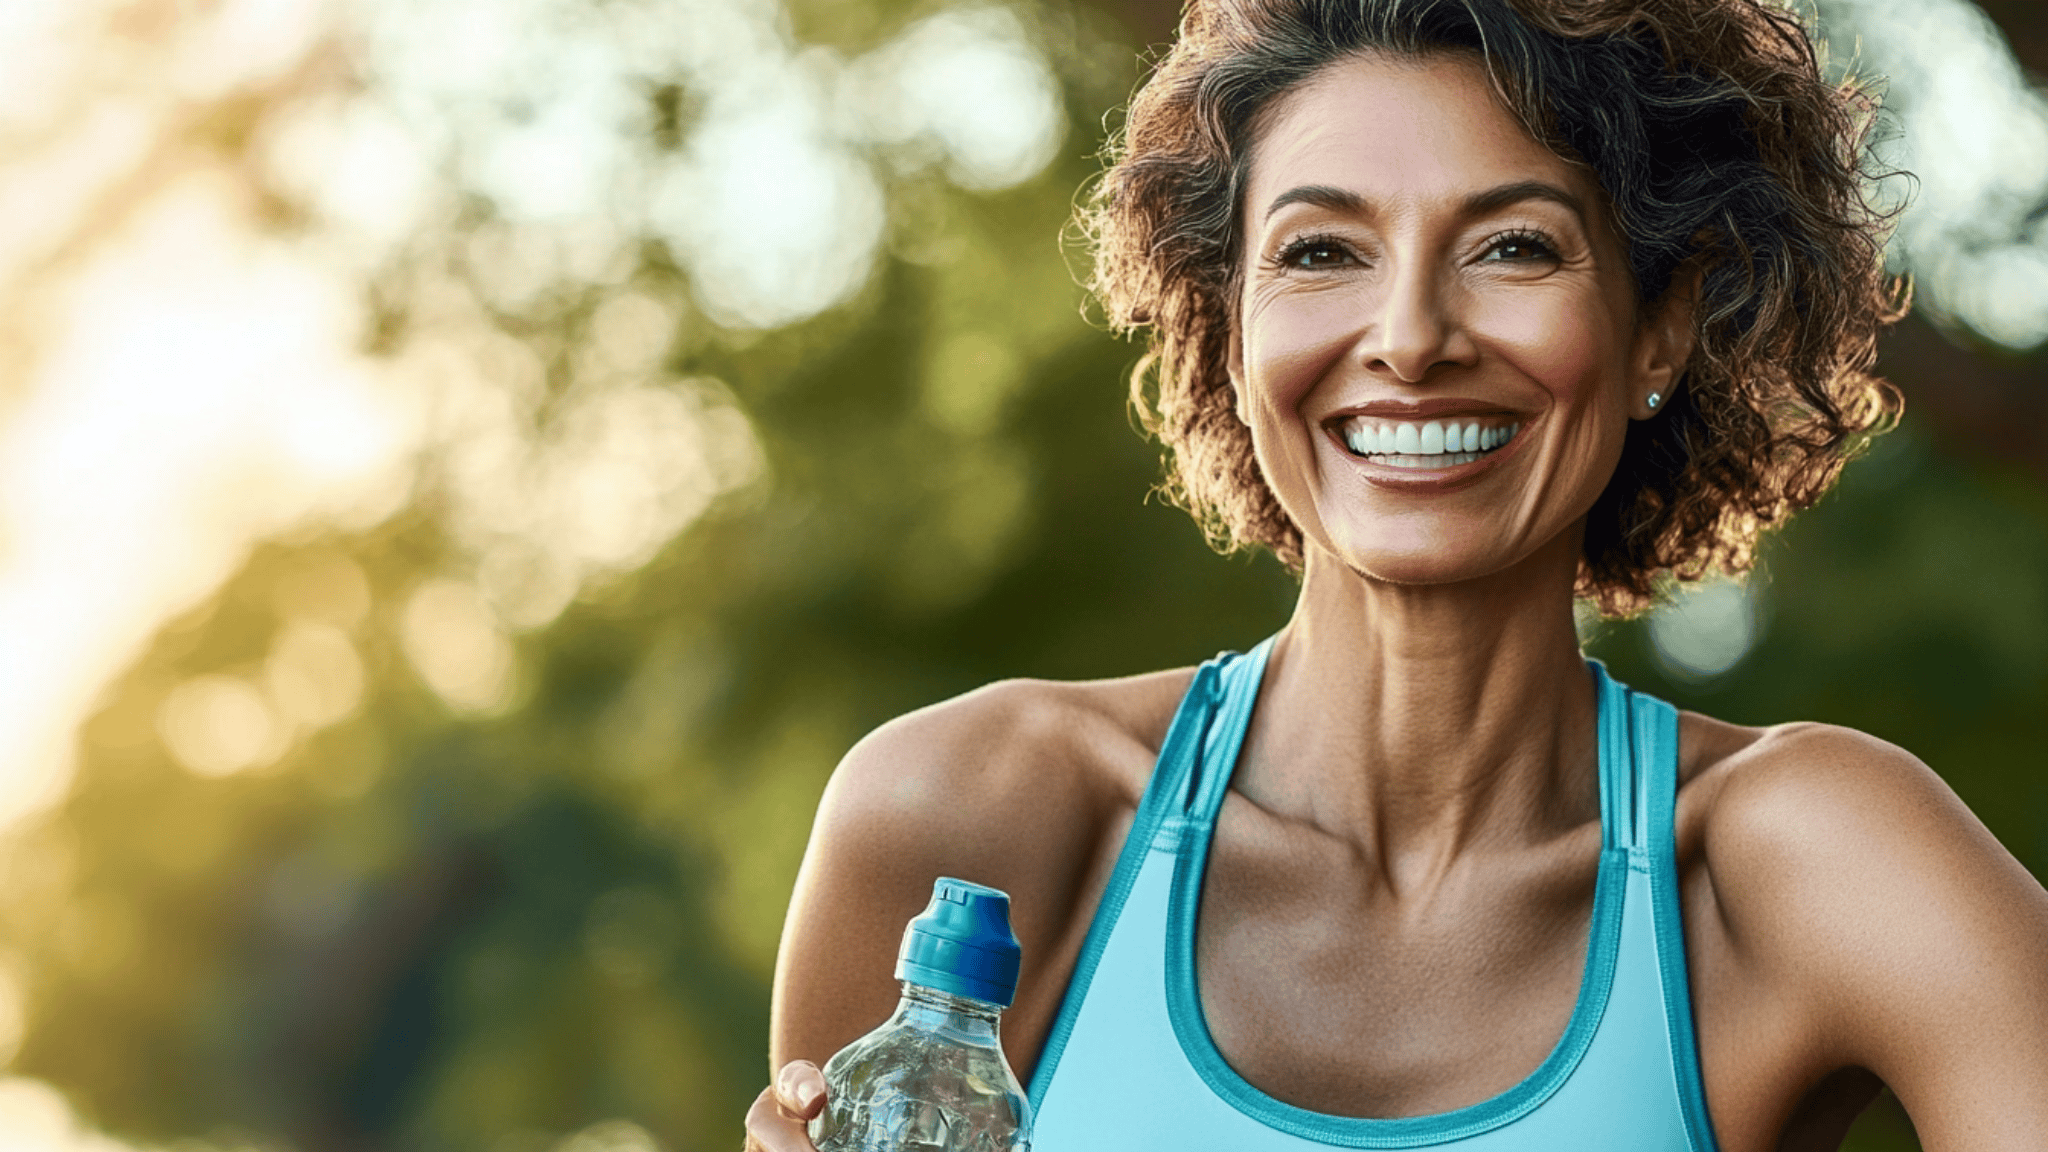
column 1807, row 813
column 1850, row 882
column 1014, row 742
column 1024, row 785
column 1818, row 796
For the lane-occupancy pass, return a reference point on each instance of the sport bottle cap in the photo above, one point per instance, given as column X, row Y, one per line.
column 962, row 944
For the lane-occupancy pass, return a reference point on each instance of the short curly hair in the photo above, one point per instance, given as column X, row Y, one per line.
column 1721, row 147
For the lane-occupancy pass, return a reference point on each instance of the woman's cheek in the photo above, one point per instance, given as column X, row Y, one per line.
column 1295, row 341
column 1554, row 340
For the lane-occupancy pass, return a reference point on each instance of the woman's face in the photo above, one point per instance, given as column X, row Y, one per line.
column 1437, row 348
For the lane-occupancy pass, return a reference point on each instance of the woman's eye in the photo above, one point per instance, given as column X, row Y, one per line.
column 1315, row 254
column 1519, row 248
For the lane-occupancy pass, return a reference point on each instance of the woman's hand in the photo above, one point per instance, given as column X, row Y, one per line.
column 779, row 1119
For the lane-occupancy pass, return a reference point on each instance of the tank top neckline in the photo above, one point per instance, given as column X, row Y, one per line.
column 1214, row 761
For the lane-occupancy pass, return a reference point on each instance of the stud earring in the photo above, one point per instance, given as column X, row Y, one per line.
column 1656, row 398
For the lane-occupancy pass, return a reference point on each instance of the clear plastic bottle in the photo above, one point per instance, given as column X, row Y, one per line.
column 933, row 1077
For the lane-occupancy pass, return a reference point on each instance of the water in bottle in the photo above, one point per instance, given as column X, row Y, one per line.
column 933, row 1078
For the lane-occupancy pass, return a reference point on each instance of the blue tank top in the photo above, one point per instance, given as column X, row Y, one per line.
column 1129, row 1064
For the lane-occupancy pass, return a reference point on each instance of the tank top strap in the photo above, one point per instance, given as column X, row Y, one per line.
column 1238, row 690
column 1161, row 810
column 1181, row 751
column 1620, row 815
column 1158, row 825
column 1654, row 725
column 1653, row 728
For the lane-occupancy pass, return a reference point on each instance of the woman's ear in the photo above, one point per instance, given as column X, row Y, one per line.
column 1664, row 344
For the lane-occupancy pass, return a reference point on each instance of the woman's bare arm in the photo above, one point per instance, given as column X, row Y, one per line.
column 1861, row 889
column 1025, row 785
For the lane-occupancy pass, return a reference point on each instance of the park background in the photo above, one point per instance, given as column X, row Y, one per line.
column 469, row 468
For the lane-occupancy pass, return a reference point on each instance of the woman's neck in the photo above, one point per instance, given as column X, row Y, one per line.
column 1420, row 722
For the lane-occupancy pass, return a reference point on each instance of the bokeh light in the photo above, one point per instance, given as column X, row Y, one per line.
column 1972, row 128
column 1706, row 628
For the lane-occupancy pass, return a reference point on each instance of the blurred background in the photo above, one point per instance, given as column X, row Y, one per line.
column 468, row 468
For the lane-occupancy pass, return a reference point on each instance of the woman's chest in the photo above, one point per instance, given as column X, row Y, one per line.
column 1330, row 999
column 1328, row 991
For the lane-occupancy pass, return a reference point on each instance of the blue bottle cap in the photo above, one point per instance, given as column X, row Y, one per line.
column 962, row 944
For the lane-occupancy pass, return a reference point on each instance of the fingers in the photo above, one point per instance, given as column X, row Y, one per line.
column 801, row 1088
column 771, row 1128
column 778, row 1120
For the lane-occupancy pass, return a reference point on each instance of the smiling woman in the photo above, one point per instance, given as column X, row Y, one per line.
column 1765, row 216
column 1387, row 290
column 1463, row 308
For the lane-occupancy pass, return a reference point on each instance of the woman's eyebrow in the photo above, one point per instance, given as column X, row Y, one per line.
column 1497, row 198
column 1320, row 195
column 1478, row 204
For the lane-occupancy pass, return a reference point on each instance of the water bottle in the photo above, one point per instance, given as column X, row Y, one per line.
column 933, row 1078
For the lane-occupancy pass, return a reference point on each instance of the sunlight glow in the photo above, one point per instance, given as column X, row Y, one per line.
column 196, row 385
column 199, row 394
column 35, row 1117
column 41, row 43
column 243, row 42
column 47, row 194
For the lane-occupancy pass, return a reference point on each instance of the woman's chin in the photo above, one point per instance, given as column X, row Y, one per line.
column 1417, row 566
column 1441, row 550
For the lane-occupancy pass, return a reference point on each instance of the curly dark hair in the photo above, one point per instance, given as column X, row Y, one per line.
column 1722, row 148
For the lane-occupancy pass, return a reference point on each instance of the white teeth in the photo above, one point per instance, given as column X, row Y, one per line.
column 1435, row 444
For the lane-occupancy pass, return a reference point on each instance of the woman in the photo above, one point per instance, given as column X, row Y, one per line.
column 1462, row 309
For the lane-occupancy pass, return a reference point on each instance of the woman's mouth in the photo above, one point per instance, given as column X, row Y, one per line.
column 1425, row 444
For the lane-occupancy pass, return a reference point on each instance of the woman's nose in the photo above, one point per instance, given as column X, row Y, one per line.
column 1414, row 329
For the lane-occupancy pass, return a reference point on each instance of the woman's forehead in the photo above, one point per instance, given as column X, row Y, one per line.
column 1400, row 133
